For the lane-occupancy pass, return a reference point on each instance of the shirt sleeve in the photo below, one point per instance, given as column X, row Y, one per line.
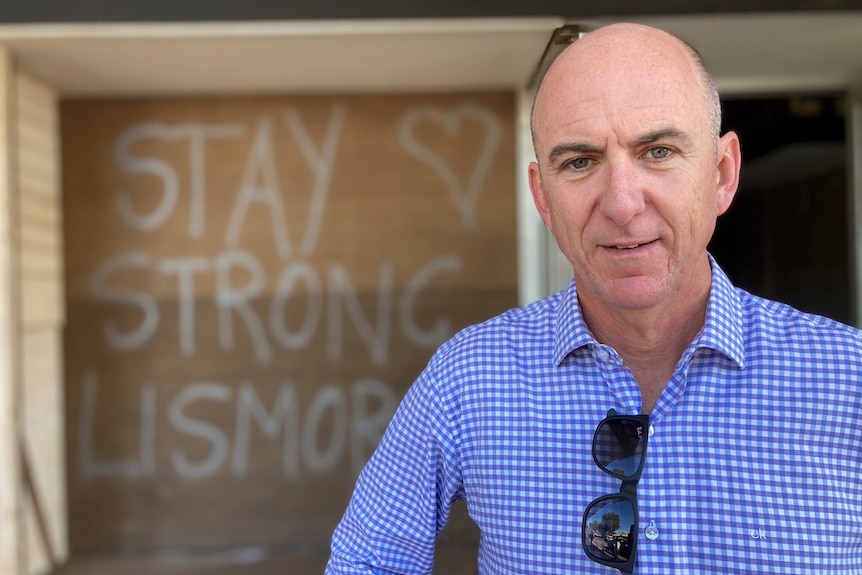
column 404, row 494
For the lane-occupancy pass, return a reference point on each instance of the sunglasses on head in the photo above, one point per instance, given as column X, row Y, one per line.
column 610, row 528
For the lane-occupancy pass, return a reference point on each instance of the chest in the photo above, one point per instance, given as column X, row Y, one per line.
column 737, row 484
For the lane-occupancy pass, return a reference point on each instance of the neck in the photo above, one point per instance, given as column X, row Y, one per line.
column 650, row 341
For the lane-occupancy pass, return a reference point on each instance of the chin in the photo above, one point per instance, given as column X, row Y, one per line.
column 634, row 295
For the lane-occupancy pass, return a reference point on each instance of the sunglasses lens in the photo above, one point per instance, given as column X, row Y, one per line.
column 609, row 530
column 618, row 447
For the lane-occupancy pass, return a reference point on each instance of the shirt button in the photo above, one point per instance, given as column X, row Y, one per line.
column 651, row 431
column 603, row 355
column 651, row 531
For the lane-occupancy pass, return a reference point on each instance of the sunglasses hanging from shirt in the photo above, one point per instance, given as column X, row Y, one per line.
column 610, row 528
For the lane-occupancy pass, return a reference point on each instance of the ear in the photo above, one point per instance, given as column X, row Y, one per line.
column 538, row 192
column 729, row 164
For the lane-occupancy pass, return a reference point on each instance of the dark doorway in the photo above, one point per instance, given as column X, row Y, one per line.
column 786, row 235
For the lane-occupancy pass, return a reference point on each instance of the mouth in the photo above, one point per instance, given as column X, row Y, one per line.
column 625, row 247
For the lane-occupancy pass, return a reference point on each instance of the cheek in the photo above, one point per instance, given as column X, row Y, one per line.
column 568, row 226
column 702, row 217
column 572, row 215
column 693, row 209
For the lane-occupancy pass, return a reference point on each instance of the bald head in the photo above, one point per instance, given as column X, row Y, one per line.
column 609, row 56
column 630, row 177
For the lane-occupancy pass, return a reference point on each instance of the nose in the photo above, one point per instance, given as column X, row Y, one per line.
column 622, row 198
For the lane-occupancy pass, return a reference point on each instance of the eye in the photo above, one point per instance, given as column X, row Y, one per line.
column 580, row 163
column 659, row 153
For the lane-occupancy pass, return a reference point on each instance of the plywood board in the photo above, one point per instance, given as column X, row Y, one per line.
column 252, row 284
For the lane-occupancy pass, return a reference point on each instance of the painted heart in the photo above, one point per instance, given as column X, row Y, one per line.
column 464, row 197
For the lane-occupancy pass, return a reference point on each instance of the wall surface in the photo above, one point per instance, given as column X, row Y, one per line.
column 11, row 554
column 32, row 462
column 39, row 236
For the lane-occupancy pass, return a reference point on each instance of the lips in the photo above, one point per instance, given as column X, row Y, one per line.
column 627, row 246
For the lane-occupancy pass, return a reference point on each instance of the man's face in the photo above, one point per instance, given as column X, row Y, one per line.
column 628, row 176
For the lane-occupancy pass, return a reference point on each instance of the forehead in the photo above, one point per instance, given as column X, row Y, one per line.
column 625, row 86
column 622, row 112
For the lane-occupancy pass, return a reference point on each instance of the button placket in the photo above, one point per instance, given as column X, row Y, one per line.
column 618, row 379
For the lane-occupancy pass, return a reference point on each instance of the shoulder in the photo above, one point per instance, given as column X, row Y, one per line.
column 523, row 326
column 493, row 350
column 769, row 318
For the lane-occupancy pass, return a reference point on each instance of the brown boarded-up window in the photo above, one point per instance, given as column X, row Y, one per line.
column 252, row 284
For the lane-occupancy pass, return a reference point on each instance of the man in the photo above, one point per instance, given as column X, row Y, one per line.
column 754, row 458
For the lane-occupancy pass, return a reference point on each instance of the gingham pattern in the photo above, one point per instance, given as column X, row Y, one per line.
column 755, row 463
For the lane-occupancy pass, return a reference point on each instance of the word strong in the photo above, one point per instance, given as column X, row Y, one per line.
column 231, row 300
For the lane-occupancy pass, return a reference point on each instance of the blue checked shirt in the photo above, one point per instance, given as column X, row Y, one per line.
column 754, row 464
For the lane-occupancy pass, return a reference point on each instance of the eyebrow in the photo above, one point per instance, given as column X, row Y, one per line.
column 662, row 134
column 562, row 150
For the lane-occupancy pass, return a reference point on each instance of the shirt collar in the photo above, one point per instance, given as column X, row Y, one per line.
column 570, row 331
column 723, row 328
column 721, row 332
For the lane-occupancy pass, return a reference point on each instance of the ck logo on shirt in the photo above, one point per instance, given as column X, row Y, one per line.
column 757, row 534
